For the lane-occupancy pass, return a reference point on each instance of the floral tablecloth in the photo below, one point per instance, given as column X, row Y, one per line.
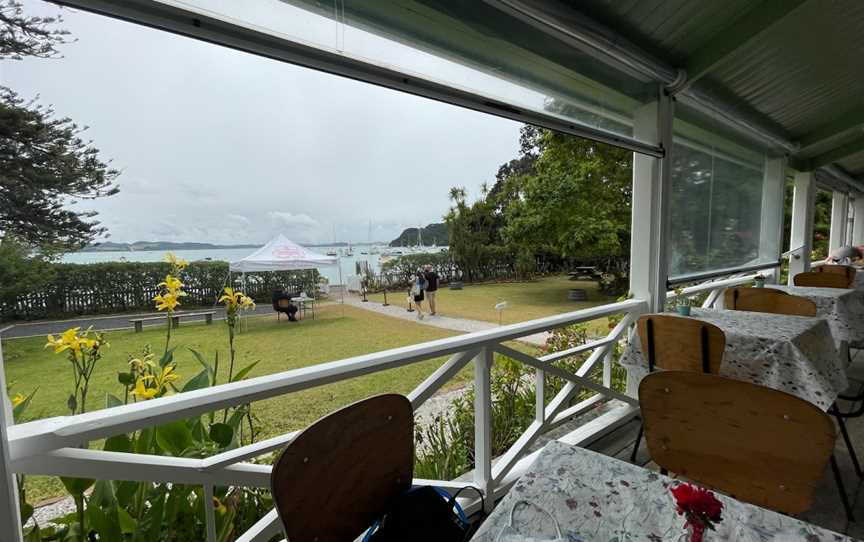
column 594, row 497
column 843, row 308
column 794, row 354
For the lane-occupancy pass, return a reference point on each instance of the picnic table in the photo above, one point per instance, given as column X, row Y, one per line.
column 175, row 319
column 595, row 497
column 794, row 354
column 584, row 272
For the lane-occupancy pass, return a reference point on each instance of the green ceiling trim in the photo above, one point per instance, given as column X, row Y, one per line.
column 743, row 29
column 851, row 119
column 837, row 154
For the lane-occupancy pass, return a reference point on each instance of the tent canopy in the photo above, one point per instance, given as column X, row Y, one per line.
column 282, row 254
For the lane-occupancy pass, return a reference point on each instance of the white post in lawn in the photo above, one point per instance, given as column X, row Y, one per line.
column 858, row 219
column 10, row 517
column 839, row 220
column 771, row 230
column 483, row 426
column 650, row 213
column 801, row 241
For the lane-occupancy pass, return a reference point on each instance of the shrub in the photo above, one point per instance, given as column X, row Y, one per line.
column 102, row 288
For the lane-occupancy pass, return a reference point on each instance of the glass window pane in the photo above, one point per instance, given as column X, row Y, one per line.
column 720, row 214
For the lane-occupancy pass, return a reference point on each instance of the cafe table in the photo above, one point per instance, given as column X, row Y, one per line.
column 794, row 354
column 843, row 308
column 593, row 497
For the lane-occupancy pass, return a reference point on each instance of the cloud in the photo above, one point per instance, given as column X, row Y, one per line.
column 288, row 220
column 239, row 218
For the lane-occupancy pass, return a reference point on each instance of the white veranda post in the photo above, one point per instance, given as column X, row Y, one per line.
column 650, row 214
column 839, row 220
column 10, row 522
column 773, row 196
column 801, row 239
column 858, row 220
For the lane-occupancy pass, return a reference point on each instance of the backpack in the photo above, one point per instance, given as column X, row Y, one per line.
column 424, row 514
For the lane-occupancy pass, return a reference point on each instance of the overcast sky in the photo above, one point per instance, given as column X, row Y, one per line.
column 220, row 146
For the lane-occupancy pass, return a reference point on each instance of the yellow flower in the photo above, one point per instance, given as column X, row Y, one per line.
column 69, row 339
column 217, row 504
column 228, row 297
column 142, row 391
column 166, row 301
column 171, row 284
column 175, row 262
column 234, row 300
column 17, row 400
column 168, row 375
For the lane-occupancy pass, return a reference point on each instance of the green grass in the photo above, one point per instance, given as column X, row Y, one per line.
column 526, row 300
column 277, row 346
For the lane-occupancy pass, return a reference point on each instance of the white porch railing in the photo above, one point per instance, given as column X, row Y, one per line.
column 50, row 446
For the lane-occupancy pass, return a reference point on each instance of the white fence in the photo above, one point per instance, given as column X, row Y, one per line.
column 50, row 446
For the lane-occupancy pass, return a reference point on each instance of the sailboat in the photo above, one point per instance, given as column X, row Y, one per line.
column 332, row 251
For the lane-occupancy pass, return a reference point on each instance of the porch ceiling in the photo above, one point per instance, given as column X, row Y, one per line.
column 792, row 67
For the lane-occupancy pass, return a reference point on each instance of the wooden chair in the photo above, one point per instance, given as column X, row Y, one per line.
column 756, row 444
column 767, row 300
column 674, row 343
column 341, row 474
column 846, row 270
column 821, row 279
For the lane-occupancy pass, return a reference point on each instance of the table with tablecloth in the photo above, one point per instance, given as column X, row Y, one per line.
column 844, row 309
column 593, row 497
column 794, row 354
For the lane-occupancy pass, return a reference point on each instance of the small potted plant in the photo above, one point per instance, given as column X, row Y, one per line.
column 759, row 281
column 682, row 302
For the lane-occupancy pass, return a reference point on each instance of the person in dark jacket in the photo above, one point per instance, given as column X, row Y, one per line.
column 431, row 287
column 282, row 303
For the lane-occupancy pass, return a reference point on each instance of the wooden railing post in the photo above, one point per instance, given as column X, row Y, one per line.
column 483, row 426
column 540, row 395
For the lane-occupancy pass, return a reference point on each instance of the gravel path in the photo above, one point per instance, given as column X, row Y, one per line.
column 444, row 322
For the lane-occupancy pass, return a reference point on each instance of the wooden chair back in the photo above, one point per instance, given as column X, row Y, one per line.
column 342, row 473
column 756, row 444
column 283, row 303
column 675, row 343
column 768, row 300
column 846, row 270
column 821, row 279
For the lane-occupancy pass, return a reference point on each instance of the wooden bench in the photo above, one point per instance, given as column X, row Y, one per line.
column 175, row 320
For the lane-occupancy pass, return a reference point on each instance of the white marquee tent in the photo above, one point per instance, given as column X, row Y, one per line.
column 282, row 254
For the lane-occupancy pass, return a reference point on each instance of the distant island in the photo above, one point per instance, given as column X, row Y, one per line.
column 109, row 246
column 433, row 234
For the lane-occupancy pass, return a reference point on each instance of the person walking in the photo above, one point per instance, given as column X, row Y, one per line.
column 417, row 291
column 431, row 287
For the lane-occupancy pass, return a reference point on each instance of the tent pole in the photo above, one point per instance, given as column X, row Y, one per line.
column 342, row 286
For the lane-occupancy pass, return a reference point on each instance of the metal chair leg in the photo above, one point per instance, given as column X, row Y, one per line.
column 854, row 456
column 841, row 488
column 636, row 446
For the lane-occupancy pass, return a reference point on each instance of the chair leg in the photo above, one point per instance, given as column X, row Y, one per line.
column 841, row 488
column 636, row 446
column 847, row 441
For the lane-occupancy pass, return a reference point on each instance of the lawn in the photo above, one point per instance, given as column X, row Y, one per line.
column 526, row 300
column 277, row 346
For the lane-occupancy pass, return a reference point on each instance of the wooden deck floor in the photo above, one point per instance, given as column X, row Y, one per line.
column 827, row 510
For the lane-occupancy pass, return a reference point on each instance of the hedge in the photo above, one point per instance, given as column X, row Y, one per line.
column 103, row 288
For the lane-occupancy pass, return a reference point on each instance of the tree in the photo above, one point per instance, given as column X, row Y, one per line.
column 22, row 36
column 45, row 165
column 577, row 202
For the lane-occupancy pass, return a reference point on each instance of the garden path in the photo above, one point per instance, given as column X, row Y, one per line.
column 445, row 322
